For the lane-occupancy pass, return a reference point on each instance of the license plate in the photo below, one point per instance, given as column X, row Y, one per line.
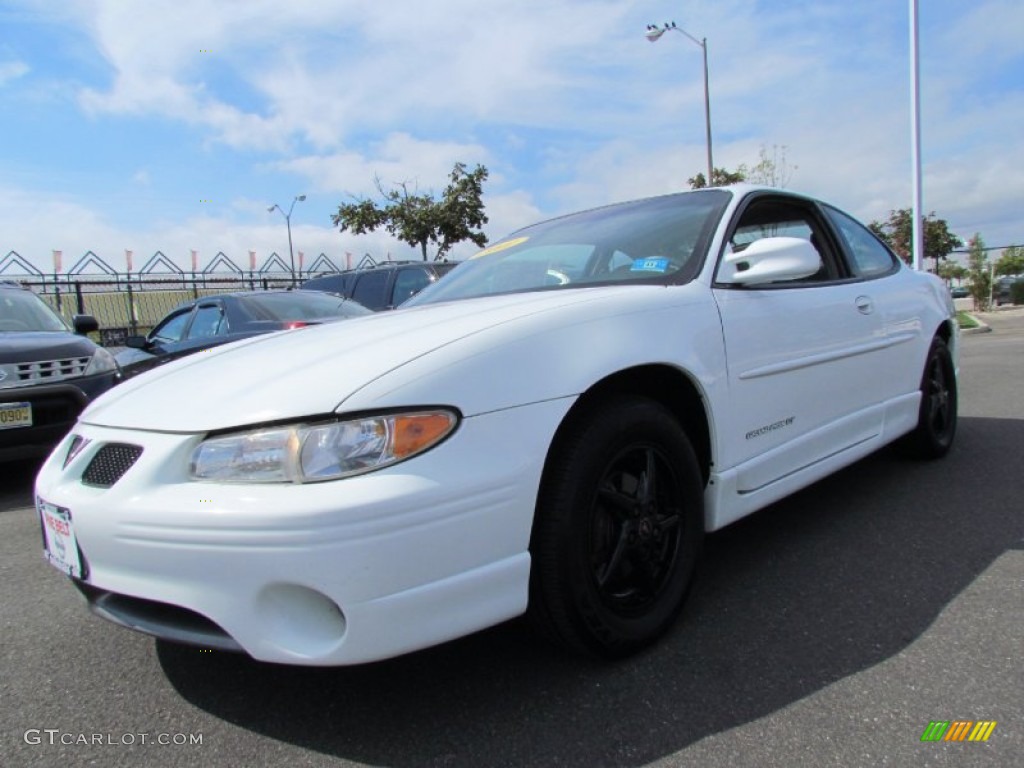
column 15, row 415
column 60, row 546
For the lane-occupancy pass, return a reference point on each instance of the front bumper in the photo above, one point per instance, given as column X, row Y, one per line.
column 54, row 409
column 329, row 573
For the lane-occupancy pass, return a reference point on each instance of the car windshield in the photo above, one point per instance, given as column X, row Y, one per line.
column 659, row 240
column 296, row 305
column 22, row 311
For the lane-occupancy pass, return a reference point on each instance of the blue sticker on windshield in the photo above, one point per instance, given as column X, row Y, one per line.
column 653, row 264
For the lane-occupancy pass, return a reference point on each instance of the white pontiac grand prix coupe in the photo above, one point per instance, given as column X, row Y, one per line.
column 550, row 429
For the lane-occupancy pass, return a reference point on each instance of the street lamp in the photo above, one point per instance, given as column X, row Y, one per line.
column 288, row 222
column 654, row 33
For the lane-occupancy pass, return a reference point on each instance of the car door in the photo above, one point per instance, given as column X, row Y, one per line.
column 799, row 353
column 897, row 304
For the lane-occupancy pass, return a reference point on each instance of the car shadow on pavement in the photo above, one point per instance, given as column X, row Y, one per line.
column 821, row 586
column 18, row 481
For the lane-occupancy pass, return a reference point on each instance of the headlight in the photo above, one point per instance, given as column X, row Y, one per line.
column 304, row 453
column 101, row 362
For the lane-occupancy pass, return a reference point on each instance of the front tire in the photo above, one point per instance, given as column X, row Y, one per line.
column 618, row 528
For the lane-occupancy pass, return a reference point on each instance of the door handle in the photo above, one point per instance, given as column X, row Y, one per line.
column 864, row 305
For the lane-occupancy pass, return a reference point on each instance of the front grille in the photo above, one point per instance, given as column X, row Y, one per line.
column 43, row 371
column 110, row 463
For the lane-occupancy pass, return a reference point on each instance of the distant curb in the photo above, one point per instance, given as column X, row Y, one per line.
column 982, row 326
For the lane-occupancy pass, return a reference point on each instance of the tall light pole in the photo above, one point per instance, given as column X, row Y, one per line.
column 654, row 33
column 288, row 222
column 917, row 232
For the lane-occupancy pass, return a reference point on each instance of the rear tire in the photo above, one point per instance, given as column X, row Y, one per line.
column 618, row 528
column 936, row 424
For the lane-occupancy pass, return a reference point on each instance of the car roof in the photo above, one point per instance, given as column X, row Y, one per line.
column 384, row 265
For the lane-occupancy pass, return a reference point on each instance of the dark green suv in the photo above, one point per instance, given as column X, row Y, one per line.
column 384, row 286
column 49, row 372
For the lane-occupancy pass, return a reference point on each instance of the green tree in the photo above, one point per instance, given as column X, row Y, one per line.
column 418, row 219
column 979, row 275
column 772, row 170
column 1011, row 262
column 939, row 242
column 720, row 178
column 950, row 271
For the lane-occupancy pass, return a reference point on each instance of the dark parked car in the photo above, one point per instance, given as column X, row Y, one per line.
column 1003, row 290
column 214, row 320
column 48, row 373
column 384, row 286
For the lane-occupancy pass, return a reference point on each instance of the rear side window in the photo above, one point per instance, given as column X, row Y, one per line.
column 870, row 257
column 408, row 282
column 370, row 290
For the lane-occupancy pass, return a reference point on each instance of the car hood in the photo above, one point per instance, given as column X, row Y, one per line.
column 31, row 346
column 314, row 370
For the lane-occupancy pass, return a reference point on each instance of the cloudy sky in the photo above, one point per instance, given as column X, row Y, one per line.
column 172, row 125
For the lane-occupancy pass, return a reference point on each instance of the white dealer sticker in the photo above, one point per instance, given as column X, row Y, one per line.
column 60, row 546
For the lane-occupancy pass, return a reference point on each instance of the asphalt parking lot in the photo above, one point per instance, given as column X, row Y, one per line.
column 828, row 630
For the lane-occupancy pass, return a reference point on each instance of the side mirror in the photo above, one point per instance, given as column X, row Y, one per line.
column 135, row 342
column 84, row 324
column 770, row 259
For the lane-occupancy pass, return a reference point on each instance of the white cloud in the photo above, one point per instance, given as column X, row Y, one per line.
column 398, row 158
column 565, row 103
column 12, row 70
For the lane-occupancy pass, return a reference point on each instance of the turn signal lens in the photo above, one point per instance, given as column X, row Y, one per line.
column 417, row 432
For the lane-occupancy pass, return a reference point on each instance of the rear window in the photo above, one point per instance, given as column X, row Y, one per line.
column 296, row 305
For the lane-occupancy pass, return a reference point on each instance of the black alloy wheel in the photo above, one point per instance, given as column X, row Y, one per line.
column 635, row 536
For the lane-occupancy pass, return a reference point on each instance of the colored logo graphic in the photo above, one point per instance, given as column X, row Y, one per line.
column 958, row 730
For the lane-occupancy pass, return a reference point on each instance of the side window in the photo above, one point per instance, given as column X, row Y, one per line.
column 747, row 233
column 172, row 328
column 370, row 290
column 208, row 322
column 619, row 261
column 330, row 284
column 870, row 256
column 782, row 218
column 408, row 282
